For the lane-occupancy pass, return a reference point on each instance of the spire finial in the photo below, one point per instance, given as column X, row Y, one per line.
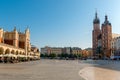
column 96, row 14
column 106, row 22
column 106, row 18
column 96, row 20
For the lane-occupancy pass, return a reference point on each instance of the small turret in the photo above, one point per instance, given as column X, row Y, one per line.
column 16, row 36
column 15, row 29
column 27, row 30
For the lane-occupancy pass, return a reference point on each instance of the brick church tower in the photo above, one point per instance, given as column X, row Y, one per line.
column 95, row 33
column 106, row 37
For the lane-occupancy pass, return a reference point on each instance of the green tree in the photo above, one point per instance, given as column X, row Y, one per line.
column 52, row 55
column 99, row 52
column 59, row 55
column 42, row 55
column 71, row 56
column 79, row 55
column 65, row 55
column 46, row 55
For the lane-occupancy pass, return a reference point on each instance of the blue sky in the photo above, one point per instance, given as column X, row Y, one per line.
column 58, row 23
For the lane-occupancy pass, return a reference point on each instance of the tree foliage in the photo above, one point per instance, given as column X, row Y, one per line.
column 62, row 55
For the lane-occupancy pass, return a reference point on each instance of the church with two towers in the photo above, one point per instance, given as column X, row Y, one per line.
column 101, row 37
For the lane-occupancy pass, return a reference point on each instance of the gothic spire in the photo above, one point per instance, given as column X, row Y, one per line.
column 96, row 15
column 96, row 20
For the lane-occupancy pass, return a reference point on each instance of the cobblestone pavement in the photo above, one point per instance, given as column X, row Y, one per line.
column 42, row 70
column 97, row 73
column 52, row 69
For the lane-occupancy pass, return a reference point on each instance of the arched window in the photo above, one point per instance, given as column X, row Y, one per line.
column 1, row 50
column 12, row 52
column 7, row 51
column 17, row 52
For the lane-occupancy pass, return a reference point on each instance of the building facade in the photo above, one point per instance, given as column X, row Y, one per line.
column 60, row 50
column 16, row 39
column 56, row 50
column 115, row 45
column 101, row 38
column 67, row 50
column 76, row 50
column 35, row 52
column 46, row 50
column 50, row 50
column 87, row 53
column 15, row 44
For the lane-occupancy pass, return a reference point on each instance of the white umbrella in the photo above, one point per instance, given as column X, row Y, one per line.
column 1, row 55
column 21, row 56
column 9, row 55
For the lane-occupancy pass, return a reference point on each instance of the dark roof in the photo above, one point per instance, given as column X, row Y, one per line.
column 96, row 20
column 106, row 22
